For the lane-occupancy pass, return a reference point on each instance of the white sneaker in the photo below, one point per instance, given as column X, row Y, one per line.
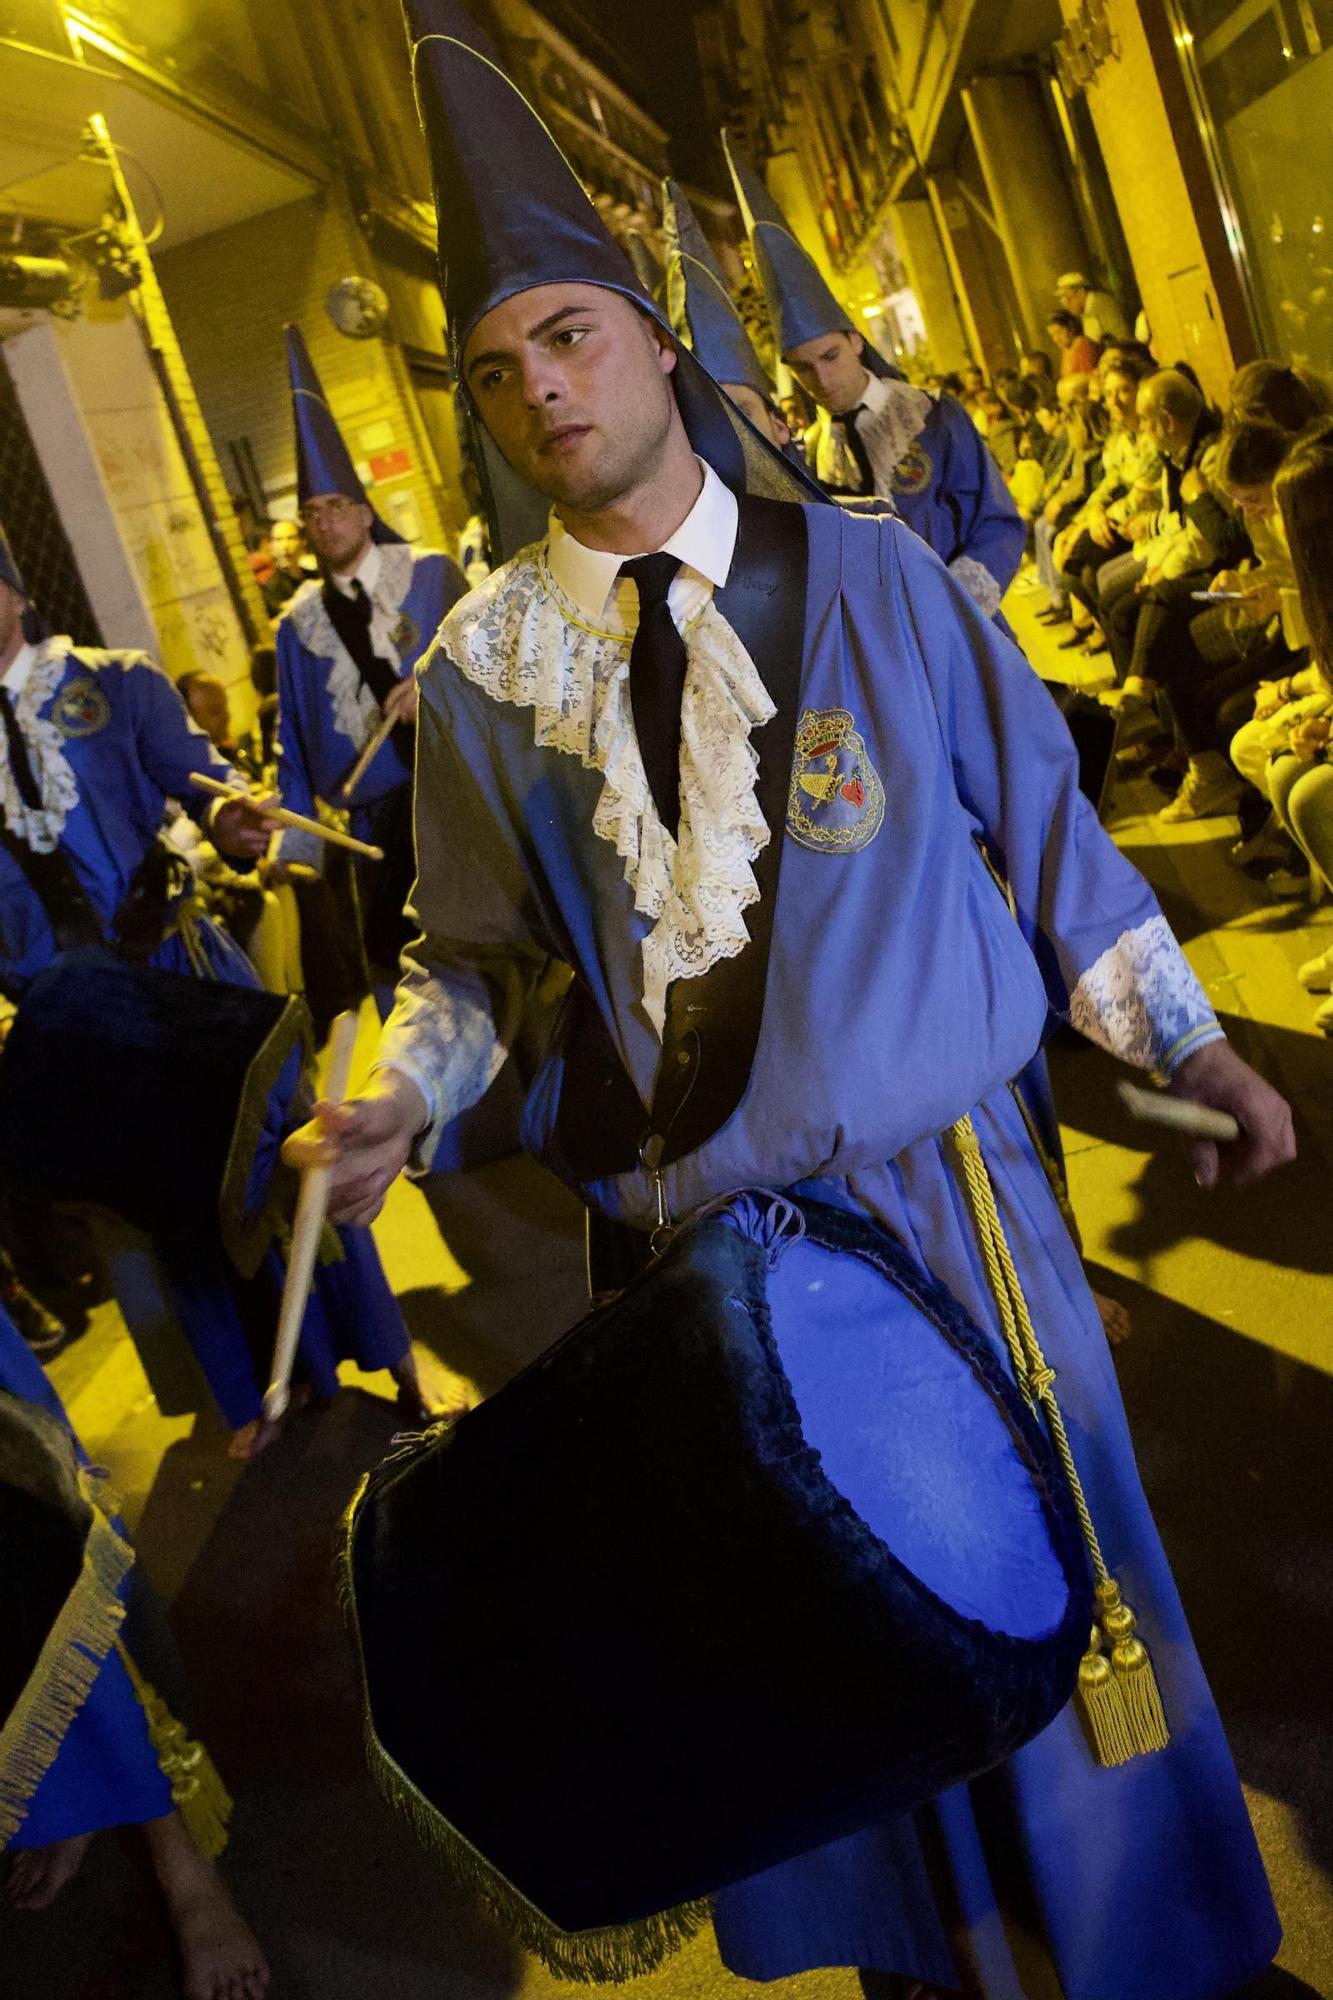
column 1316, row 975
column 1207, row 793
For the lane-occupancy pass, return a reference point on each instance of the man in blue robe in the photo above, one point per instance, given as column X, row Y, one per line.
column 86, row 1739
column 875, row 434
column 901, row 909
column 95, row 742
column 347, row 644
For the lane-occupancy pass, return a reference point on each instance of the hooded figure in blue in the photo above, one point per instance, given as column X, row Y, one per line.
column 95, row 744
column 876, row 434
column 651, row 808
column 347, row 646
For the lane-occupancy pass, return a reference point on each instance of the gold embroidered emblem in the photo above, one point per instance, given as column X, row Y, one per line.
column 836, row 799
column 81, row 708
column 914, row 470
column 406, row 635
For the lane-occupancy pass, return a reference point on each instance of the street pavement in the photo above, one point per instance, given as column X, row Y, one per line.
column 1226, row 1374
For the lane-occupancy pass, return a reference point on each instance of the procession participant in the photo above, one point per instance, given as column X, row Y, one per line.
column 95, row 743
column 87, row 1739
column 593, row 724
column 702, row 315
column 347, row 646
column 877, row 435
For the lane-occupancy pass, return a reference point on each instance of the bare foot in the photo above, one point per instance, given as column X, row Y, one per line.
column 1115, row 1319
column 426, row 1393
column 38, row 1874
column 220, row 1955
column 252, row 1438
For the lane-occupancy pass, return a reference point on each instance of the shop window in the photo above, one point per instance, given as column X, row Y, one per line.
column 1263, row 83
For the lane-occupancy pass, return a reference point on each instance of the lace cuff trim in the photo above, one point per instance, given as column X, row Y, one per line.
column 41, row 826
column 447, row 1046
column 1143, row 1002
column 521, row 641
column 978, row 582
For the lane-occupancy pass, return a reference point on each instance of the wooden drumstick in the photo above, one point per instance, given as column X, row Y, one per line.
column 373, row 745
column 311, row 1207
column 1177, row 1114
column 285, row 818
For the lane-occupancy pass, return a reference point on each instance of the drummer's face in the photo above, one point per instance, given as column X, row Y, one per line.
column 11, row 624
column 338, row 530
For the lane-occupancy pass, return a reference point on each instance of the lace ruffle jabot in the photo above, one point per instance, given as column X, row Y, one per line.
column 355, row 709
column 41, row 826
column 521, row 641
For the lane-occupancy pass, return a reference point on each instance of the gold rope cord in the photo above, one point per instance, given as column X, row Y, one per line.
column 197, row 1791
column 1119, row 1697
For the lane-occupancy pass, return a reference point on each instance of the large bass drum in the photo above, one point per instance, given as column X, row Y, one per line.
column 767, row 1550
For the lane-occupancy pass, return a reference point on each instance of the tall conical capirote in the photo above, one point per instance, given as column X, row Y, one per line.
column 800, row 305
column 323, row 462
column 512, row 215
column 699, row 305
column 647, row 270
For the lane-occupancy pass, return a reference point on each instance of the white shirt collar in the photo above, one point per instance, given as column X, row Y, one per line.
column 20, row 671
column 366, row 573
column 705, row 541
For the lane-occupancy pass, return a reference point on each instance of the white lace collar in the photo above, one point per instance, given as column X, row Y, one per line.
column 351, row 701
column 522, row 641
column 895, row 413
column 41, row 826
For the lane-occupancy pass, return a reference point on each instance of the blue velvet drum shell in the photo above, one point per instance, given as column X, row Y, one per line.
column 766, row 1551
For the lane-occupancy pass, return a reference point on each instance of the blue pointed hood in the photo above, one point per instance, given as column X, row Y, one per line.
column 646, row 267
column 512, row 215
column 699, row 305
column 800, row 305
column 323, row 462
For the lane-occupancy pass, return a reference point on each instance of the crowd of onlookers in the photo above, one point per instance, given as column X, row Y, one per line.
column 1183, row 557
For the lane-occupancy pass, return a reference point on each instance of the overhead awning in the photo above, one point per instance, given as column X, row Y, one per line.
column 178, row 161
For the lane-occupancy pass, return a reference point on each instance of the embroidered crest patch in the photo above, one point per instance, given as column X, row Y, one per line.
column 836, row 798
column 406, row 635
column 81, row 709
column 914, row 470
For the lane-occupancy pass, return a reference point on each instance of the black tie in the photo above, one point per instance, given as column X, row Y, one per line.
column 20, row 763
column 856, row 446
column 657, row 682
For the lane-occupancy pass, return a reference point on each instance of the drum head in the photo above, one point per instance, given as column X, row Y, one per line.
column 913, row 1440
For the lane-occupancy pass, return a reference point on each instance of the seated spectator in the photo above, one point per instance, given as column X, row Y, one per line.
column 259, row 554
column 1078, row 353
column 293, row 565
column 1027, row 480
column 1037, row 365
column 1300, row 776
column 1127, row 488
column 1086, row 425
column 1269, row 392
column 1148, row 604
column 1019, row 402
column 1096, row 311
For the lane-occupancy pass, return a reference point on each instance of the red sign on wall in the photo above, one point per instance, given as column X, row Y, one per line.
column 390, row 464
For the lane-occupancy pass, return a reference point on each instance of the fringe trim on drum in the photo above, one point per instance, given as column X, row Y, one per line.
column 603, row 1957
column 72, row 1657
column 197, row 1790
column 1119, row 1698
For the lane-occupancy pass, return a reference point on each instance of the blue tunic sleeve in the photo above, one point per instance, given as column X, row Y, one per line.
column 991, row 534
column 170, row 744
column 296, row 785
column 1110, row 962
column 467, row 978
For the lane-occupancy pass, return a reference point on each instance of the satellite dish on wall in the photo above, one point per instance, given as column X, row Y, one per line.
column 358, row 307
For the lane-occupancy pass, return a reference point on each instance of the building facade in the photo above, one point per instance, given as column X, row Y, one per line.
column 201, row 176
column 947, row 160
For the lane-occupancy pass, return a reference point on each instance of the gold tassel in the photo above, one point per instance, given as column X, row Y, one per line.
column 1119, row 1697
column 1133, row 1671
column 1102, row 1705
column 197, row 1791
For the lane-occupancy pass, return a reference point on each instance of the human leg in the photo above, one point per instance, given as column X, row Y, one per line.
column 220, row 1956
